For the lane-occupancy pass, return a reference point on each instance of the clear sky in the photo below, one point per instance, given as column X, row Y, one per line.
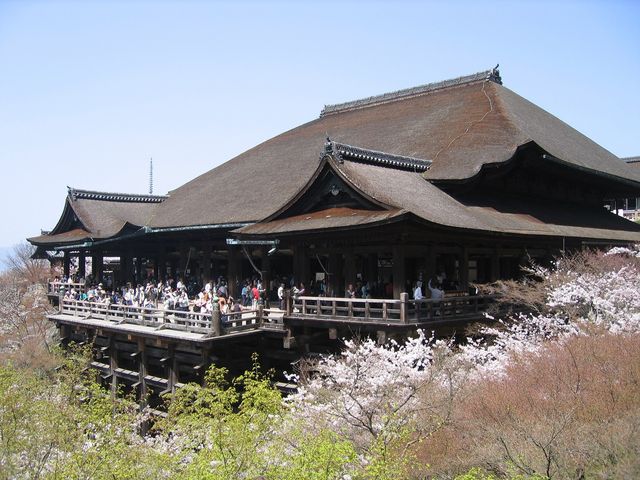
column 90, row 91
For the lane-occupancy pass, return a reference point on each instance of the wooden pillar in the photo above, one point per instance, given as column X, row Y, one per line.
column 464, row 268
column 142, row 372
column 182, row 262
column 495, row 265
column 206, row 262
column 125, row 267
column 97, row 266
column 399, row 270
column 349, row 271
column 161, row 265
column 234, row 270
column 430, row 265
column 66, row 264
column 372, row 268
column 113, row 365
column 300, row 265
column 336, row 279
column 216, row 325
column 139, row 276
column 82, row 264
column 156, row 268
column 265, row 270
column 172, row 368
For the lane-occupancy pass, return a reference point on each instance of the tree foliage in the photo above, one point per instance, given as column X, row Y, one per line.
column 550, row 393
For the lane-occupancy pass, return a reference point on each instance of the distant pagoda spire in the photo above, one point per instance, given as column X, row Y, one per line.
column 151, row 176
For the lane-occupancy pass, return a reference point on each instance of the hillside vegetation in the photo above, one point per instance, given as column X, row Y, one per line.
column 553, row 394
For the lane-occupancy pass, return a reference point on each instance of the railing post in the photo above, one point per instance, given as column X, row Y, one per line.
column 404, row 299
column 260, row 314
column 287, row 296
column 216, row 328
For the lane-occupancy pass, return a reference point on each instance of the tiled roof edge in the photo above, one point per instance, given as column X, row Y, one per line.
column 342, row 152
column 492, row 75
column 76, row 194
column 631, row 159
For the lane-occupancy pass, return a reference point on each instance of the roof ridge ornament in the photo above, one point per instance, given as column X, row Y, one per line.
column 492, row 75
column 76, row 194
column 341, row 152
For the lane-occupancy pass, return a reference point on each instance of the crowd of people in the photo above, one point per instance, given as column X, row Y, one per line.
column 187, row 295
column 180, row 296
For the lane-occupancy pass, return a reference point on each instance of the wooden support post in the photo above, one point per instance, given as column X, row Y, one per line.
column 66, row 264
column 399, row 270
column 336, row 279
column 234, row 270
column 206, row 262
column 265, row 271
column 125, row 268
column 113, row 365
column 404, row 300
column 382, row 337
column 288, row 302
column 182, row 262
column 97, row 266
column 430, row 266
column 82, row 264
column 288, row 341
column 142, row 373
column 139, row 278
column 172, row 368
column 464, row 268
column 349, row 272
column 495, row 266
column 372, row 268
column 333, row 334
column 301, row 265
column 162, row 265
column 216, row 327
column 260, row 315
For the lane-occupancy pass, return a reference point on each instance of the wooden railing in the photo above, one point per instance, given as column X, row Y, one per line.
column 374, row 310
column 195, row 322
column 399, row 311
column 58, row 288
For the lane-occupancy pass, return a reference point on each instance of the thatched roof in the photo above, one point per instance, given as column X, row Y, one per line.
column 429, row 135
column 459, row 126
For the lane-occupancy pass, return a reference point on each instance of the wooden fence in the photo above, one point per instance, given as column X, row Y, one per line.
column 59, row 288
column 214, row 324
column 374, row 310
column 401, row 311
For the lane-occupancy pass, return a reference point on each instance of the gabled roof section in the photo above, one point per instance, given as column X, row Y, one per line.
column 92, row 215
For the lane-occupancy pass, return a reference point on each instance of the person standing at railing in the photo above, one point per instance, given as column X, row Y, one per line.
column 436, row 292
column 281, row 296
column 350, row 292
column 417, row 291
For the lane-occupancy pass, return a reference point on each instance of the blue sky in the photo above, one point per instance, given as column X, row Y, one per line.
column 89, row 91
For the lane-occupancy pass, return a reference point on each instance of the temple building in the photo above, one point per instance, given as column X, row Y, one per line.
column 462, row 178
